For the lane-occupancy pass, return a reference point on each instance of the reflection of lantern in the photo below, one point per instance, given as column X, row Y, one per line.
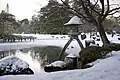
column 73, row 25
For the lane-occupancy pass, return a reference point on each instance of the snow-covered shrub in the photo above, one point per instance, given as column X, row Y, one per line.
column 94, row 37
column 90, row 54
column 97, row 39
column 112, row 47
column 88, row 42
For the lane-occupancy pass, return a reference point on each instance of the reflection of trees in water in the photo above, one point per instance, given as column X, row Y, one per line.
column 42, row 54
column 35, row 56
column 49, row 52
column 6, row 53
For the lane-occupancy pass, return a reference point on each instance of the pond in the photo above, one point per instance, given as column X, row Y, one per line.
column 36, row 57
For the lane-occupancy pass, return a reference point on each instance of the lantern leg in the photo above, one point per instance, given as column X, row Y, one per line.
column 79, row 62
column 79, row 42
column 64, row 48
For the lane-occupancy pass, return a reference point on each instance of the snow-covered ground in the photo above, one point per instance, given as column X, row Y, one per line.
column 106, row 69
column 52, row 40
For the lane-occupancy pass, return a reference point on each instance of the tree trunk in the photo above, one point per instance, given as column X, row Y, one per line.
column 102, row 34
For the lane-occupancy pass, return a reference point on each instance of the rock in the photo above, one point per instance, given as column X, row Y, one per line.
column 12, row 65
column 71, row 62
column 55, row 66
column 52, row 69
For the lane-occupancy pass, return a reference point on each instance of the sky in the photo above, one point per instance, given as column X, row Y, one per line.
column 27, row 8
column 23, row 8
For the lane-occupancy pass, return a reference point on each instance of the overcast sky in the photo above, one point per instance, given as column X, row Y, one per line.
column 23, row 8
column 26, row 8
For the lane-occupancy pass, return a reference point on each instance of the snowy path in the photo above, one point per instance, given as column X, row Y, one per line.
column 106, row 69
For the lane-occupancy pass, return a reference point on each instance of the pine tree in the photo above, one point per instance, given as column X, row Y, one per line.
column 51, row 18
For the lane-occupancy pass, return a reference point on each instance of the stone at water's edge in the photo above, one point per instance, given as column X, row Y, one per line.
column 55, row 66
column 12, row 65
column 53, row 69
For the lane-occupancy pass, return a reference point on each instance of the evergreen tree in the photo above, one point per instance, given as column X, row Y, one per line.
column 8, row 24
column 51, row 18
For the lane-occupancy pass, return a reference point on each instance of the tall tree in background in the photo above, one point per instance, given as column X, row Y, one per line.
column 37, row 24
column 24, row 26
column 51, row 18
column 8, row 24
column 87, row 11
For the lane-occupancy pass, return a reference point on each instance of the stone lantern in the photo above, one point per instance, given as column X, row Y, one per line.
column 72, row 25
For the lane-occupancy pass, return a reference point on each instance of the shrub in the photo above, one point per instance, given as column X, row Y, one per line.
column 92, row 53
column 112, row 47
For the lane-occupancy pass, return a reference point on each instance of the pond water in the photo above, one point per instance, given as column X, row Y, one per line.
column 36, row 57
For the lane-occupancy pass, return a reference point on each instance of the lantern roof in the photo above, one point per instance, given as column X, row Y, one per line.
column 75, row 20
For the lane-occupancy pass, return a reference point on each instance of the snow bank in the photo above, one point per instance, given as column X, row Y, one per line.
column 106, row 69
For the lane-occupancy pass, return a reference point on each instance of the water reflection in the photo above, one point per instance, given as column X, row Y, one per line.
column 6, row 53
column 36, row 57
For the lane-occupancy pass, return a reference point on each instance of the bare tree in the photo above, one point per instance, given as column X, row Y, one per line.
column 94, row 15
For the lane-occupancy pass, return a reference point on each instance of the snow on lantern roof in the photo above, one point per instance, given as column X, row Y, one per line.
column 75, row 20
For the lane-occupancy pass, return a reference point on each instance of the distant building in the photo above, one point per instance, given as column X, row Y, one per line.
column 7, row 8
